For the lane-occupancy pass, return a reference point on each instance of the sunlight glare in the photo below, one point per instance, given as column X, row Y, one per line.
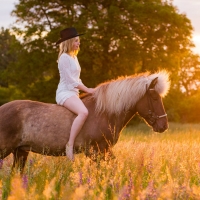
column 196, row 40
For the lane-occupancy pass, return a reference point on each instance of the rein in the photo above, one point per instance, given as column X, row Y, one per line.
column 151, row 115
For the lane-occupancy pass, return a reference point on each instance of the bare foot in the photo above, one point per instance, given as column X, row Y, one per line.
column 69, row 152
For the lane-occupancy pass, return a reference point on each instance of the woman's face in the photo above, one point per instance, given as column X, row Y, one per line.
column 76, row 43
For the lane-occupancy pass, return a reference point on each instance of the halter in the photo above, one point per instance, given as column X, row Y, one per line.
column 151, row 115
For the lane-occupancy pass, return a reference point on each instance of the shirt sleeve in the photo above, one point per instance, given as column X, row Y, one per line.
column 65, row 72
column 79, row 81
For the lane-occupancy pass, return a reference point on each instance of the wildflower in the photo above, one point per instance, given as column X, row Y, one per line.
column 25, row 181
column 89, row 181
column 80, row 178
column 125, row 194
column 31, row 162
column 151, row 191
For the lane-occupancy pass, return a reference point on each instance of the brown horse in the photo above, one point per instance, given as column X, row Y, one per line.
column 44, row 128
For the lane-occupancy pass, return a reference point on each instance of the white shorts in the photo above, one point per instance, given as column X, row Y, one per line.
column 61, row 97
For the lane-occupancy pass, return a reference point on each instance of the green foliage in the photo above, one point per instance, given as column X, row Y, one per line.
column 190, row 108
column 9, row 51
column 4, row 95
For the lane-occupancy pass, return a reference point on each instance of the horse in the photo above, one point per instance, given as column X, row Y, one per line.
column 44, row 128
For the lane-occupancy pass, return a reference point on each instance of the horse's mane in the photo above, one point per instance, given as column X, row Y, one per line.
column 120, row 94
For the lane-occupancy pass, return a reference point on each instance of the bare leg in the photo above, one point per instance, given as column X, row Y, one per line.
column 75, row 105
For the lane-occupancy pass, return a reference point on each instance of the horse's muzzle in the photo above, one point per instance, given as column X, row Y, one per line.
column 160, row 128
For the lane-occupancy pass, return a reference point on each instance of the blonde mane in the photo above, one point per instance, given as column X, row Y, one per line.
column 121, row 94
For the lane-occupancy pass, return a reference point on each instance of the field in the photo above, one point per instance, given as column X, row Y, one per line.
column 147, row 166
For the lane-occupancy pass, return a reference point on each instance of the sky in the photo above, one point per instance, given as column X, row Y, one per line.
column 189, row 7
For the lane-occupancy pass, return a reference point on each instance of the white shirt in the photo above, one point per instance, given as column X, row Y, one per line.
column 69, row 69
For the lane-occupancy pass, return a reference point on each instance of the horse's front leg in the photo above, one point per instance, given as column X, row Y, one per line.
column 20, row 158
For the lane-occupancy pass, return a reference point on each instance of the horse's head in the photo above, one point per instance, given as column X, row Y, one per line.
column 150, row 107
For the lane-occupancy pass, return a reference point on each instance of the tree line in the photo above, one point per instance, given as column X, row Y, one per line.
column 121, row 37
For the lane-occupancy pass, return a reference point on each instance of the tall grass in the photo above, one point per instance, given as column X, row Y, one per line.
column 147, row 166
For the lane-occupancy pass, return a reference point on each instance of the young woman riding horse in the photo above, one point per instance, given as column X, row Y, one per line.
column 67, row 93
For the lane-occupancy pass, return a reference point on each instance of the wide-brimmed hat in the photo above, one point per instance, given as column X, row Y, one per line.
column 68, row 33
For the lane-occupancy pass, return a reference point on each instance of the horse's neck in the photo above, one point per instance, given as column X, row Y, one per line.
column 117, row 121
column 108, row 123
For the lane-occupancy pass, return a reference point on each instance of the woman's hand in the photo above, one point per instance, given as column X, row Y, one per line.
column 90, row 90
column 85, row 89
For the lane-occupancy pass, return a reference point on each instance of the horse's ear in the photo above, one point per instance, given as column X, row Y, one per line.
column 153, row 83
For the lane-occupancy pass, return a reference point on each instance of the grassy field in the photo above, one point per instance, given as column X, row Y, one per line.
column 147, row 166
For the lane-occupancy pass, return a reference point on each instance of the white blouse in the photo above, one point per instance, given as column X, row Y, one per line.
column 69, row 69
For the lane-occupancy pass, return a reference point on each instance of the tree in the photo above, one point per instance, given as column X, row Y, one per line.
column 8, row 54
column 10, row 49
column 121, row 38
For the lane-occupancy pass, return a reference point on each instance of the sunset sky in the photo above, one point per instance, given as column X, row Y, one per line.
column 189, row 7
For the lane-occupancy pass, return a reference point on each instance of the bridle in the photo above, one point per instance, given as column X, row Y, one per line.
column 152, row 117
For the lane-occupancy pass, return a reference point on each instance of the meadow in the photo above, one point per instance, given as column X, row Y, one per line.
column 148, row 165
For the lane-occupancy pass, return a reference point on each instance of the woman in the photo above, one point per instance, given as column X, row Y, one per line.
column 67, row 93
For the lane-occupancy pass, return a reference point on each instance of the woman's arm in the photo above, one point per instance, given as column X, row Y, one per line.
column 85, row 89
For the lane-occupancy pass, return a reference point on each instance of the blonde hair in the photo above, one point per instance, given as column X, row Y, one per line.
column 67, row 47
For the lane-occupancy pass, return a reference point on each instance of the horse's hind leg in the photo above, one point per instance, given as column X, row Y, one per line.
column 20, row 158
